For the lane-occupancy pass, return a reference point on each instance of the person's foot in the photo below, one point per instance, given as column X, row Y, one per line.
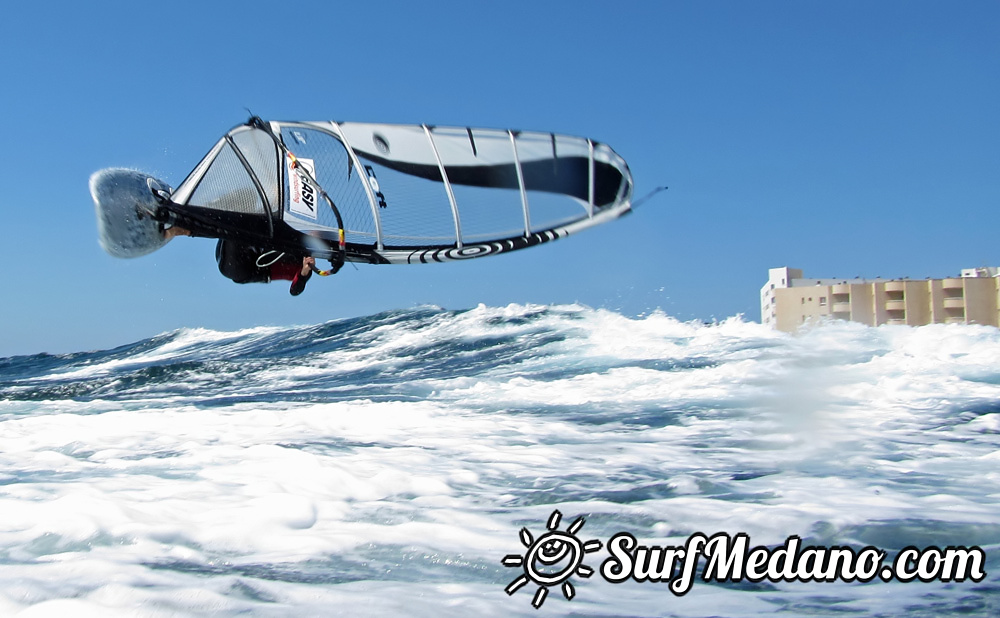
column 175, row 230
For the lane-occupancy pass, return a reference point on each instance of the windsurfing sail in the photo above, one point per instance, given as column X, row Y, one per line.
column 399, row 194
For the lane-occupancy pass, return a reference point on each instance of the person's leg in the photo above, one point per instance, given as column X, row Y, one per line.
column 238, row 262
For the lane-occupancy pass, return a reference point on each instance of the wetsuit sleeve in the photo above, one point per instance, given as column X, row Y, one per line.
column 299, row 283
column 290, row 269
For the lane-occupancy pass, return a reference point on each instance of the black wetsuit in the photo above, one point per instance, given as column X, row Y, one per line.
column 242, row 264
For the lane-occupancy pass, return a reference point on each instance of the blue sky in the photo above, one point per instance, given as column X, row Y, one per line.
column 849, row 138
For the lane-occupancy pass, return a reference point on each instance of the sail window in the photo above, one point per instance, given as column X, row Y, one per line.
column 261, row 154
column 227, row 186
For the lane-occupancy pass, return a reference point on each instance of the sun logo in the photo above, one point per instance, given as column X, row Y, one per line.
column 551, row 559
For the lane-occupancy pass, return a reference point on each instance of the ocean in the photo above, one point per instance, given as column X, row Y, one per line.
column 402, row 463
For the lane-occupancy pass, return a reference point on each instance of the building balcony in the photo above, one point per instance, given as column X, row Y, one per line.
column 895, row 286
column 952, row 284
column 952, row 312
column 896, row 321
column 895, row 305
column 955, row 320
column 841, row 307
column 840, row 288
column 954, row 303
column 841, row 315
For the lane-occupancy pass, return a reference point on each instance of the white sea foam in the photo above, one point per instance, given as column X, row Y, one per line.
column 182, row 501
column 183, row 342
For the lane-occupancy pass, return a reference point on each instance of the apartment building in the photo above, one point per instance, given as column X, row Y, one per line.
column 788, row 300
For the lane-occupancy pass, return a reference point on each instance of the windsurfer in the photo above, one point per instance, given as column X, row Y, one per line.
column 247, row 264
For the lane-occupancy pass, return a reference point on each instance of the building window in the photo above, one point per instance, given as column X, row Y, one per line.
column 822, row 301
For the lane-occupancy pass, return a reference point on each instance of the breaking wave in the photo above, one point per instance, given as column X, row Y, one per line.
column 385, row 464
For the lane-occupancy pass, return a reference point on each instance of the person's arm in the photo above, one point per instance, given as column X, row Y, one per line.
column 302, row 277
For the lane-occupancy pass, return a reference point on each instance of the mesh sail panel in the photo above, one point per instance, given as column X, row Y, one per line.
column 416, row 210
column 554, row 170
column 486, row 212
column 227, row 186
column 489, row 214
column 559, row 162
column 331, row 165
column 261, row 153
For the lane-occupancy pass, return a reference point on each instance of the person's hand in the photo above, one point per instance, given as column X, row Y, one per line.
column 308, row 263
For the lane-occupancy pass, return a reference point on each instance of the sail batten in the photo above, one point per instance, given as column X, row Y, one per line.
column 447, row 188
column 590, row 178
column 376, row 218
column 520, row 185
